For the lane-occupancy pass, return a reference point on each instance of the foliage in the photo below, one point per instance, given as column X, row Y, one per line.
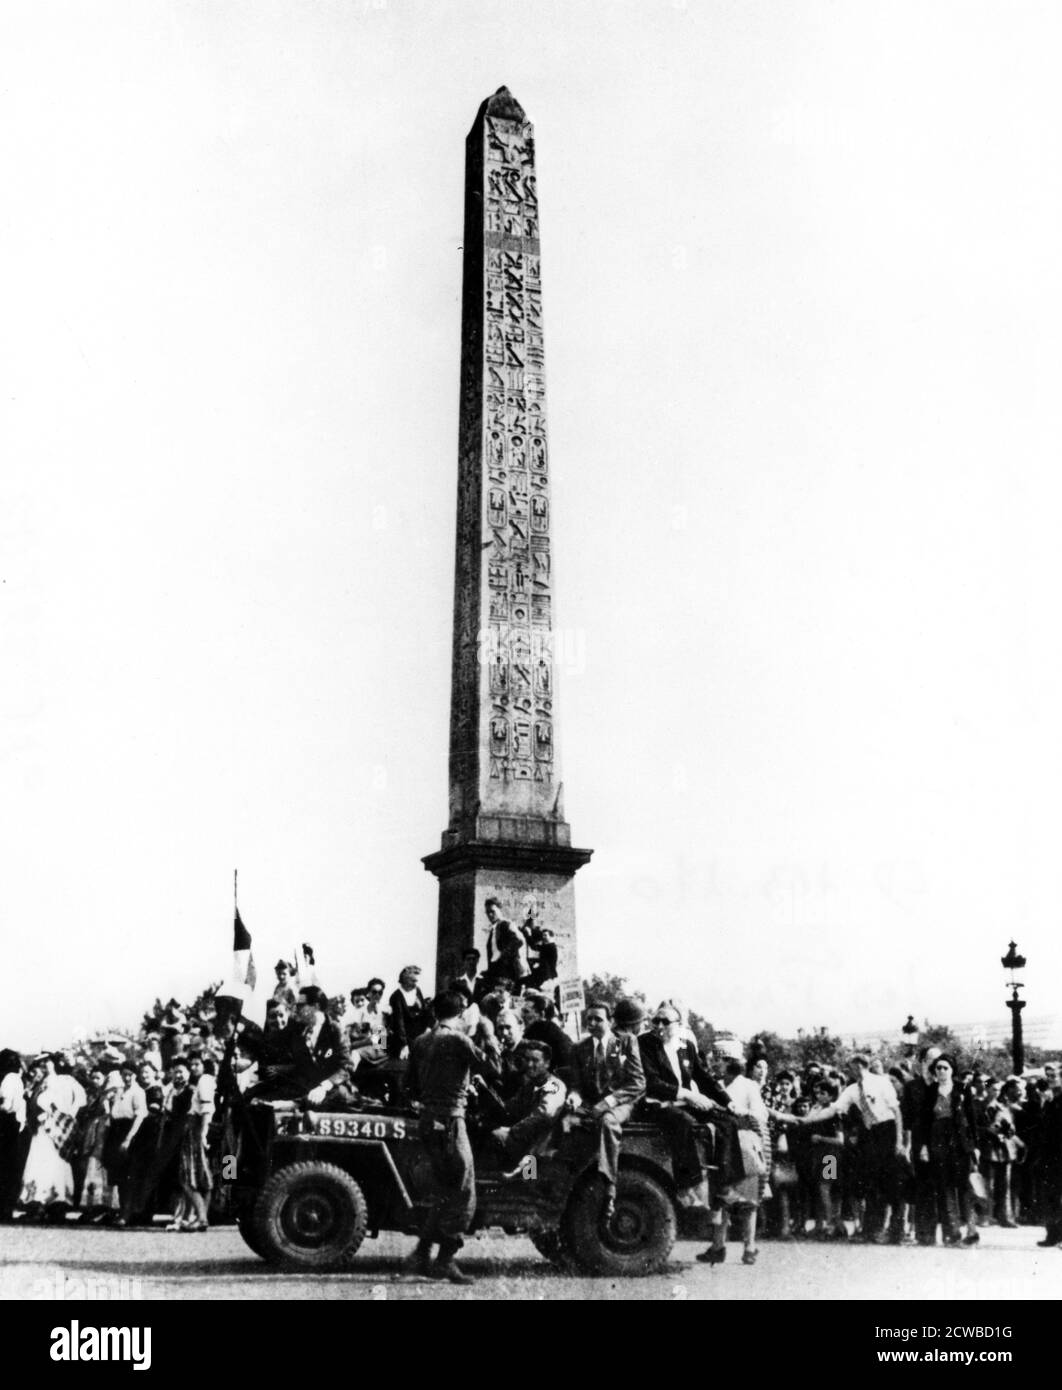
column 818, row 1046
column 703, row 1031
column 608, row 989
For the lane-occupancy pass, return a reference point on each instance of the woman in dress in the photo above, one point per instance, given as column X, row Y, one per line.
column 409, row 1014
column 99, row 1196
column 744, row 1153
column 48, row 1180
column 12, row 1124
column 138, row 1190
column 194, row 1164
column 175, row 1107
column 945, row 1140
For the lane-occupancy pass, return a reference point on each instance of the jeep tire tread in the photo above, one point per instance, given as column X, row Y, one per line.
column 309, row 1216
column 639, row 1237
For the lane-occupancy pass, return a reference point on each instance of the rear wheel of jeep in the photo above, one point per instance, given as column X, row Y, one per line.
column 552, row 1247
column 636, row 1239
column 309, row 1216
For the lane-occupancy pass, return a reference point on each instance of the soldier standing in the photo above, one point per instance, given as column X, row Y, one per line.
column 441, row 1065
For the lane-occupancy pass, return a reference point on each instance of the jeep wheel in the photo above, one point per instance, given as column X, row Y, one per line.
column 550, row 1245
column 309, row 1215
column 639, row 1236
column 245, row 1224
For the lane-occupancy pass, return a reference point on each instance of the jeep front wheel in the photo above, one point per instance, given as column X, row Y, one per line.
column 550, row 1245
column 636, row 1239
column 245, row 1225
column 309, row 1215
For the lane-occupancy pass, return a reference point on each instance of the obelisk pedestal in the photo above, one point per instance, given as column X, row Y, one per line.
column 507, row 837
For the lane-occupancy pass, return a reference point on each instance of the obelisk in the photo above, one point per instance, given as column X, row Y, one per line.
column 507, row 837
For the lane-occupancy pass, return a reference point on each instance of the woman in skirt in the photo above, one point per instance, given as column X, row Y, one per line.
column 195, row 1176
column 99, row 1196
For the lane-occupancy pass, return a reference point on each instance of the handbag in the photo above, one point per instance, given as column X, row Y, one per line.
column 753, row 1163
column 978, row 1190
column 783, row 1173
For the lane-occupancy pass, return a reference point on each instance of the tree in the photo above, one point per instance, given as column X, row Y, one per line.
column 608, row 989
column 770, row 1046
column 703, row 1031
column 818, row 1046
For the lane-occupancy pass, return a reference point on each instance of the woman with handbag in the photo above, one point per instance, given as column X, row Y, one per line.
column 945, row 1141
column 744, row 1164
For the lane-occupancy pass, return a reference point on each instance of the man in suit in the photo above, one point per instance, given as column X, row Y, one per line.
column 506, row 947
column 680, row 1093
column 607, row 1083
column 316, row 1057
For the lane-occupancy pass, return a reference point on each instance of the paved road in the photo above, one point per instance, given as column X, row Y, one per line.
column 39, row 1262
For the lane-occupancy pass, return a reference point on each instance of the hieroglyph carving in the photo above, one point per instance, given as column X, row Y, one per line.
column 516, row 496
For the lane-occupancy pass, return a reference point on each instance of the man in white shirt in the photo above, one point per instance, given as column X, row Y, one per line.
column 875, row 1100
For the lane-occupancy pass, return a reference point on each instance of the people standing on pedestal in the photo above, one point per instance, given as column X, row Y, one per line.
column 506, row 947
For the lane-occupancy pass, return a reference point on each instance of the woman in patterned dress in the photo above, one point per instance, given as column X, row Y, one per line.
column 99, row 1196
column 48, row 1179
column 194, row 1167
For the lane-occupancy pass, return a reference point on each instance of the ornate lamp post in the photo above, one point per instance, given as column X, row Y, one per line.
column 909, row 1033
column 1013, row 962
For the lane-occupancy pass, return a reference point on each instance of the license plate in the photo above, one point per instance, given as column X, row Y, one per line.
column 357, row 1126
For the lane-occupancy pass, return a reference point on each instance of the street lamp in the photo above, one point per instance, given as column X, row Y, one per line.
column 909, row 1034
column 1013, row 962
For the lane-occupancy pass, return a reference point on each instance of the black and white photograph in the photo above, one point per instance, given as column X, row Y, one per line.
column 529, row 600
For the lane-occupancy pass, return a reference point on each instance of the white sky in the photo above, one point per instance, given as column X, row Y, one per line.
column 803, row 305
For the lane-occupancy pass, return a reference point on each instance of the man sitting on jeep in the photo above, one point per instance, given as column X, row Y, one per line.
column 313, row 1058
column 531, row 1113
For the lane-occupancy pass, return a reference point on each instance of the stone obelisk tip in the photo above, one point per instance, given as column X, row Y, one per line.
column 503, row 106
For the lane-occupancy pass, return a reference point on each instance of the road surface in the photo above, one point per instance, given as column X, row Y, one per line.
column 75, row 1263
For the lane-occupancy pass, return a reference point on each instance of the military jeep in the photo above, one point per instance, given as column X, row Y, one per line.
column 312, row 1184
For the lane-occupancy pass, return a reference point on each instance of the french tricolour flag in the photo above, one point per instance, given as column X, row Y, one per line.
column 243, row 971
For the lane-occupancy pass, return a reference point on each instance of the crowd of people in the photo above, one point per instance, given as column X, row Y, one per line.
column 116, row 1139
column 123, row 1135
